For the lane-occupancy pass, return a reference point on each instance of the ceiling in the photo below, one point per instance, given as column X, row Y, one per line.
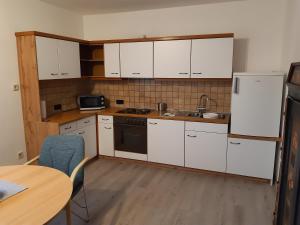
column 110, row 6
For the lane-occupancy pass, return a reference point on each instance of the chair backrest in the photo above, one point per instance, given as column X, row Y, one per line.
column 64, row 153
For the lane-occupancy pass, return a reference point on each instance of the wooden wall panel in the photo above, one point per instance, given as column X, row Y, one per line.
column 35, row 129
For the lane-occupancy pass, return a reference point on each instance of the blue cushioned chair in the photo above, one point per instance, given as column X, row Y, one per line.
column 65, row 153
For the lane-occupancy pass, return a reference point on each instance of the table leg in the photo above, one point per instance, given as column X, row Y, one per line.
column 68, row 213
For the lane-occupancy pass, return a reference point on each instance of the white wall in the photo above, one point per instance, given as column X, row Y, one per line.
column 257, row 24
column 16, row 15
column 291, row 44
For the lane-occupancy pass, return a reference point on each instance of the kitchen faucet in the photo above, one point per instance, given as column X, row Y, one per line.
column 203, row 102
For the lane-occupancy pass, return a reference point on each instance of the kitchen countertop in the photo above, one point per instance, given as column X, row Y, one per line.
column 73, row 115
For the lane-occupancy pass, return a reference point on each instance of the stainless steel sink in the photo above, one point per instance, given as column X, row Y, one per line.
column 200, row 115
column 192, row 114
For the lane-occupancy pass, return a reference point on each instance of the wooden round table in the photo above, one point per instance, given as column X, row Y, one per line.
column 48, row 191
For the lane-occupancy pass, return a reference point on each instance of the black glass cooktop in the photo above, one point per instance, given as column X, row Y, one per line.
column 135, row 111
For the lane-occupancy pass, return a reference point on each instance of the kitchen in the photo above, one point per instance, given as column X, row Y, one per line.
column 118, row 101
column 184, row 112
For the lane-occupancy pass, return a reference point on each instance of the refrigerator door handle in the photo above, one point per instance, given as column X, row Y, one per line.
column 236, row 85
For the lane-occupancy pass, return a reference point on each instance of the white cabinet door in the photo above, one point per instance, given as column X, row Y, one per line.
column 172, row 59
column 251, row 157
column 106, row 139
column 205, row 151
column 69, row 59
column 89, row 135
column 212, row 58
column 47, row 58
column 256, row 105
column 166, row 141
column 112, row 60
column 136, row 59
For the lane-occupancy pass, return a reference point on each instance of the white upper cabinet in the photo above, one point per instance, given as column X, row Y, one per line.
column 69, row 59
column 47, row 58
column 172, row 59
column 212, row 58
column 136, row 59
column 112, row 60
column 57, row 59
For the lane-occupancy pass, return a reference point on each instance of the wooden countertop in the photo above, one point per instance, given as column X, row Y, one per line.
column 69, row 116
column 73, row 115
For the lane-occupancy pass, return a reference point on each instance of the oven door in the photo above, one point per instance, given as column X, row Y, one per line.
column 130, row 138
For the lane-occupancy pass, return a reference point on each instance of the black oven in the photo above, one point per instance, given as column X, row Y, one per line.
column 130, row 134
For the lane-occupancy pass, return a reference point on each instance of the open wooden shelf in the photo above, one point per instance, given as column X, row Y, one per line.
column 100, row 78
column 92, row 60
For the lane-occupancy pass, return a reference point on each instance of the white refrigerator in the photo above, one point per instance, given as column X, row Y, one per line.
column 255, row 122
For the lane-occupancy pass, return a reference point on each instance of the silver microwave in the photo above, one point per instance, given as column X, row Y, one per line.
column 91, row 102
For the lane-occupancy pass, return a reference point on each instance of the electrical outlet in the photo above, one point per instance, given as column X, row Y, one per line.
column 119, row 101
column 16, row 87
column 20, row 155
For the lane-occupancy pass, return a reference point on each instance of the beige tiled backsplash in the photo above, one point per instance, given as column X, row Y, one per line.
column 179, row 95
column 140, row 93
column 63, row 92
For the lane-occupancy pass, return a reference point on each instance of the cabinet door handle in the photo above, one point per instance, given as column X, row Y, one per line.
column 135, row 73
column 81, row 133
column 105, row 119
column 236, row 85
column 114, row 73
column 183, row 73
column 192, row 136
column 235, row 143
column 64, row 73
column 107, row 128
column 87, row 121
column 152, row 123
column 53, row 74
column 68, row 128
column 197, row 73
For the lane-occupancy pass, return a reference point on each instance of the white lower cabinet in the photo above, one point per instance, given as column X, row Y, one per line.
column 251, row 157
column 205, row 151
column 106, row 136
column 206, row 146
column 166, row 141
column 87, row 129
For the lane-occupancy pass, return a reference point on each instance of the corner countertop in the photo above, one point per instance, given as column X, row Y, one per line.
column 73, row 115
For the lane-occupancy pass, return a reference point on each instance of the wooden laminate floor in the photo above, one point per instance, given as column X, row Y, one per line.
column 128, row 193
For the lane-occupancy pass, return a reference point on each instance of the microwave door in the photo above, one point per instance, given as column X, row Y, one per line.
column 91, row 102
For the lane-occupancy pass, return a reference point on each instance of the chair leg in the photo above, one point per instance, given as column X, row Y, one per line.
column 87, row 219
column 68, row 213
column 86, row 206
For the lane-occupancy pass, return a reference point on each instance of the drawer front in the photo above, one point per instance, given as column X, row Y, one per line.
column 86, row 122
column 106, row 139
column 251, row 157
column 207, row 127
column 105, row 119
column 68, row 127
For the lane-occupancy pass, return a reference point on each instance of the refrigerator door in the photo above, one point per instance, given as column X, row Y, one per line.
column 256, row 105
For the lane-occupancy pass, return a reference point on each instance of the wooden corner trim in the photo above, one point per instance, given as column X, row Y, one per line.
column 167, row 38
column 54, row 36
column 277, row 139
column 144, row 39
